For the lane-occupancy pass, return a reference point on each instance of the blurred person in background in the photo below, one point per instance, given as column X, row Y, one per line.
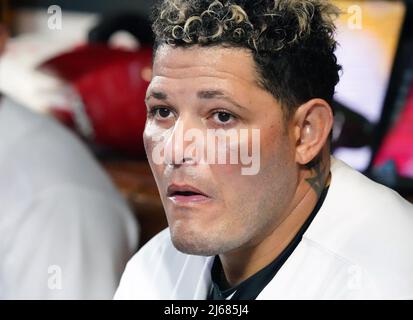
column 65, row 232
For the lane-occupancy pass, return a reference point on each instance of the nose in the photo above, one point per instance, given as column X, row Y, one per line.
column 180, row 146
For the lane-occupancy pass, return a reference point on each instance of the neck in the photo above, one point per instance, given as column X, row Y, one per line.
column 312, row 182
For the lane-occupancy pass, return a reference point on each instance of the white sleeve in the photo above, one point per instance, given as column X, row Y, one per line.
column 70, row 243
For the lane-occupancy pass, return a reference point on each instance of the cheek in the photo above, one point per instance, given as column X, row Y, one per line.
column 276, row 145
column 147, row 135
column 278, row 171
column 231, row 154
column 153, row 138
column 151, row 135
column 234, row 184
column 148, row 144
column 273, row 162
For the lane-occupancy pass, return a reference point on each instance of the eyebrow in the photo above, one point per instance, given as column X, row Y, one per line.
column 157, row 95
column 217, row 94
column 204, row 94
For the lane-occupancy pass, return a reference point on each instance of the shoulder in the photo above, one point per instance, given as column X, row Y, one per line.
column 368, row 225
column 375, row 207
column 154, row 249
column 160, row 271
column 141, row 270
column 57, row 156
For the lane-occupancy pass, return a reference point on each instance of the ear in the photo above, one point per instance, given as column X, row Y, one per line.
column 313, row 122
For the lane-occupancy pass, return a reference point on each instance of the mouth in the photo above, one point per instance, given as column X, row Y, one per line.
column 186, row 194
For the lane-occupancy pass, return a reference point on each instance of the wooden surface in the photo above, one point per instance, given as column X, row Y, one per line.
column 6, row 16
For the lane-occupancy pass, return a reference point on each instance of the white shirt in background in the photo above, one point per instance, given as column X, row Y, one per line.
column 65, row 232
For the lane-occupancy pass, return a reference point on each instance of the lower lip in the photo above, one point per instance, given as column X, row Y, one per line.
column 189, row 199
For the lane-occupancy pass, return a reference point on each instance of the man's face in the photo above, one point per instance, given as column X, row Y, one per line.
column 212, row 207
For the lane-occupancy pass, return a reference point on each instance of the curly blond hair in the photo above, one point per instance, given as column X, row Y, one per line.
column 292, row 40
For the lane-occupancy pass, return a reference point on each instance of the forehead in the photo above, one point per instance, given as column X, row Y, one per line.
column 180, row 74
column 231, row 64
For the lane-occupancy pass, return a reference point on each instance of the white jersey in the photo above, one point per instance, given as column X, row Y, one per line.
column 359, row 246
column 65, row 233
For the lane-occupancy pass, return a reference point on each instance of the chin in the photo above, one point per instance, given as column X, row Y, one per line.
column 201, row 242
column 189, row 246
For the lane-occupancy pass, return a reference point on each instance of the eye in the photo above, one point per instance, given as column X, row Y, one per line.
column 223, row 117
column 161, row 113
